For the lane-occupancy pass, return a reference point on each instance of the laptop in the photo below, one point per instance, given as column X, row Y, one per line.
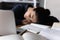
column 7, row 22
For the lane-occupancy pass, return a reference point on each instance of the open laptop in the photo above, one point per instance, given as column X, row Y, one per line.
column 7, row 22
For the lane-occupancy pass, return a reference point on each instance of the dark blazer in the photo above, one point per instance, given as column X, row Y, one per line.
column 18, row 12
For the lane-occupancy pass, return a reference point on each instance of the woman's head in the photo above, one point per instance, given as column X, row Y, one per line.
column 42, row 12
column 35, row 15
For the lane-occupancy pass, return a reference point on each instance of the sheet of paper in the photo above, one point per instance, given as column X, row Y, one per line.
column 31, row 28
column 11, row 37
column 35, row 28
column 32, row 36
column 40, row 26
column 51, row 34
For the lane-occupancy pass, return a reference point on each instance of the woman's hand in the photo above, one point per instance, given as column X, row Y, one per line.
column 26, row 21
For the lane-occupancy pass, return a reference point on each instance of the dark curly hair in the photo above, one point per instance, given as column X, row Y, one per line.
column 43, row 16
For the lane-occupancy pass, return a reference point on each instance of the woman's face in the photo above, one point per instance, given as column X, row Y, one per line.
column 30, row 15
column 34, row 17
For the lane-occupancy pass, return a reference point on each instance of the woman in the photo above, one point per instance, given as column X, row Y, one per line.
column 40, row 15
column 19, row 11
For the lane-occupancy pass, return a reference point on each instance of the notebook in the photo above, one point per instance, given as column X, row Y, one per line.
column 7, row 22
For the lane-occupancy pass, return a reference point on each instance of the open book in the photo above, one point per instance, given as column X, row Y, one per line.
column 35, row 28
column 50, row 34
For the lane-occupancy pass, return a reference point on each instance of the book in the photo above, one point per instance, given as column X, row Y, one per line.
column 35, row 28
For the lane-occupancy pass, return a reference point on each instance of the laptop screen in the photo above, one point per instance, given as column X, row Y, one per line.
column 7, row 22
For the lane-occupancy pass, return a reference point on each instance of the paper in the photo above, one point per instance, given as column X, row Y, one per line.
column 51, row 34
column 35, row 28
column 40, row 26
column 11, row 37
column 32, row 36
column 31, row 28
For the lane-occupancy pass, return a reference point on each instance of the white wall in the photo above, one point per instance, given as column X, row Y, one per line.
column 54, row 6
